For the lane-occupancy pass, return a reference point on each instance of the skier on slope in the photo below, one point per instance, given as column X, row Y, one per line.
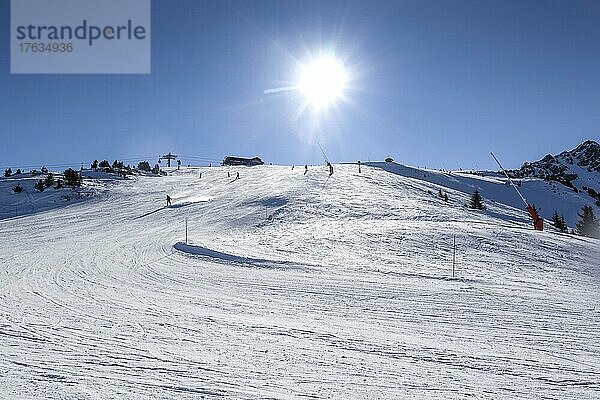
column 330, row 168
column 305, row 169
column 168, row 200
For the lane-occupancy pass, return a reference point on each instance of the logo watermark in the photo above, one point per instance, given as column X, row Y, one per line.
column 80, row 36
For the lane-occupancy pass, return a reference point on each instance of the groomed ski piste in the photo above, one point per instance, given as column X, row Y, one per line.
column 295, row 286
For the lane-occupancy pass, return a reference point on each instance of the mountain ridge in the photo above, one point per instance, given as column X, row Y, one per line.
column 578, row 168
column 586, row 156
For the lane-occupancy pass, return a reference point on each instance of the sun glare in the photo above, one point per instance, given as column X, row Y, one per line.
column 322, row 81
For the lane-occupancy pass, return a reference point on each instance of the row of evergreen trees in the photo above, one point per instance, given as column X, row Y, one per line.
column 8, row 172
column 587, row 225
column 116, row 166
column 104, row 164
column 46, row 183
column 119, row 166
column 70, row 178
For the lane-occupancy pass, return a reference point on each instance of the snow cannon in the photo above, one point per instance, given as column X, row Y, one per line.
column 538, row 222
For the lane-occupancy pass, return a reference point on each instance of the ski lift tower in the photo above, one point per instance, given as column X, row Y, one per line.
column 168, row 157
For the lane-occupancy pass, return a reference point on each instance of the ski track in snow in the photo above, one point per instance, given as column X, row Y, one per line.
column 344, row 291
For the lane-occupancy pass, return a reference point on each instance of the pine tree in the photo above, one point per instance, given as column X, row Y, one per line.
column 559, row 222
column 588, row 224
column 72, row 178
column 104, row 164
column 18, row 188
column 477, row 201
column 95, row 165
column 556, row 220
column 117, row 164
column 39, row 186
column 144, row 166
column 49, row 181
column 7, row 172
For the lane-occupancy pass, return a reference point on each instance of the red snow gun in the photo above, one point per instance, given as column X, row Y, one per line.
column 538, row 222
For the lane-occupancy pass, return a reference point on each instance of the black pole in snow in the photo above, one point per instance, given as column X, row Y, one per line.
column 454, row 256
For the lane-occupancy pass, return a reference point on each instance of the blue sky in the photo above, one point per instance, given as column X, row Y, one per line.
column 433, row 83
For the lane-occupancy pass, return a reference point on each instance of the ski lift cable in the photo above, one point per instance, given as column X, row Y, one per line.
column 70, row 164
column 89, row 162
column 42, row 165
column 199, row 158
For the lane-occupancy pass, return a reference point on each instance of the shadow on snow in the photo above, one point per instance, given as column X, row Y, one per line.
column 231, row 258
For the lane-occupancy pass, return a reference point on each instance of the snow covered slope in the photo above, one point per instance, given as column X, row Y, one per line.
column 294, row 286
column 31, row 201
column 548, row 196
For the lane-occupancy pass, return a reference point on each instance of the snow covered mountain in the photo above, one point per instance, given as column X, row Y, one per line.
column 294, row 286
column 578, row 168
column 585, row 156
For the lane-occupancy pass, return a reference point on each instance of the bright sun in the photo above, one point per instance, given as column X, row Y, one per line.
column 322, row 81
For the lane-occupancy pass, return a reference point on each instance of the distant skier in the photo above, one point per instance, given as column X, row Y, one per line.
column 168, row 200
column 237, row 175
column 305, row 169
column 330, row 168
column 228, row 174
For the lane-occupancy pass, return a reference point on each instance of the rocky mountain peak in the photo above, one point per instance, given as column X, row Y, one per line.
column 563, row 167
